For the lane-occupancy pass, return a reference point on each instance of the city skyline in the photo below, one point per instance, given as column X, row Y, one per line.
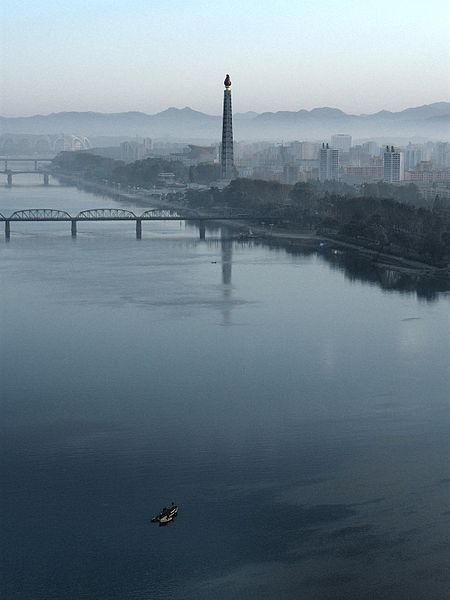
column 141, row 56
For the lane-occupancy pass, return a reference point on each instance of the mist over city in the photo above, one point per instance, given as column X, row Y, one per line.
column 225, row 276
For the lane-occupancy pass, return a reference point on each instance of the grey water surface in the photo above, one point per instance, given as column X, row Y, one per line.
column 295, row 406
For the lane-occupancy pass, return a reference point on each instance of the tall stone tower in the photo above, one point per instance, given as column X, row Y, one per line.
column 227, row 163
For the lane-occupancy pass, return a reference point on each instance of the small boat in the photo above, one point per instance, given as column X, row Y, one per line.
column 246, row 235
column 166, row 515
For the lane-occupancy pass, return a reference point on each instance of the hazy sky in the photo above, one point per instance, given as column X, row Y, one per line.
column 147, row 55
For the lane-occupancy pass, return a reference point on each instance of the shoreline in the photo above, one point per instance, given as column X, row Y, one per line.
column 307, row 239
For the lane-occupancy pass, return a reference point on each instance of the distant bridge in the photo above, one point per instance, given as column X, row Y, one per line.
column 9, row 173
column 119, row 214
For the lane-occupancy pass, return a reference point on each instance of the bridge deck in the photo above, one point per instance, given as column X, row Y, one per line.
column 25, row 159
column 137, row 218
column 119, row 214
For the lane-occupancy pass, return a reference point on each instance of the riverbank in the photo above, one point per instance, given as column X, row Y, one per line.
column 144, row 198
column 323, row 243
column 285, row 237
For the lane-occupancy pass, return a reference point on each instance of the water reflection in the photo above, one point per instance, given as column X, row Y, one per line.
column 359, row 268
column 226, row 246
column 424, row 285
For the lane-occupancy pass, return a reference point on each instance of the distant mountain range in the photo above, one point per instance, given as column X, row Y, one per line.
column 428, row 121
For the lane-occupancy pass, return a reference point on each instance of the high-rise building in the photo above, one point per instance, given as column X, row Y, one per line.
column 341, row 141
column 412, row 156
column 371, row 148
column 135, row 149
column 441, row 155
column 292, row 174
column 328, row 163
column 131, row 151
column 310, row 150
column 226, row 157
column 393, row 166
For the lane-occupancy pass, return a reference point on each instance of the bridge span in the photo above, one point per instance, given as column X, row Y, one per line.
column 9, row 172
column 9, row 175
column 119, row 214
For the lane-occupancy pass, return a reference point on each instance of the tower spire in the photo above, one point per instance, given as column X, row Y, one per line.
column 227, row 162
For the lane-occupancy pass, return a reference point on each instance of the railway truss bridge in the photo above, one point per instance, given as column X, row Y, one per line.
column 119, row 214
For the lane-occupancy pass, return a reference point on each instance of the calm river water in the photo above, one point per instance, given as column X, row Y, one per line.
column 295, row 406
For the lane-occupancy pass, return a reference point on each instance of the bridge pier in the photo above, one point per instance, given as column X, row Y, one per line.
column 74, row 228
column 46, row 178
column 7, row 230
column 35, row 165
column 9, row 178
column 138, row 229
column 202, row 228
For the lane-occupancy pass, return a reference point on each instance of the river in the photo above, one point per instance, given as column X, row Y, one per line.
column 294, row 405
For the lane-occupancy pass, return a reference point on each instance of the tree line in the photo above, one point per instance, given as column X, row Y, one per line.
column 380, row 216
column 142, row 173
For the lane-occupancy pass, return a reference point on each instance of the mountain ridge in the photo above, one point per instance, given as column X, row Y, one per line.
column 432, row 120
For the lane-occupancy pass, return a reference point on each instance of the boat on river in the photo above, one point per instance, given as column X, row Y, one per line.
column 167, row 515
